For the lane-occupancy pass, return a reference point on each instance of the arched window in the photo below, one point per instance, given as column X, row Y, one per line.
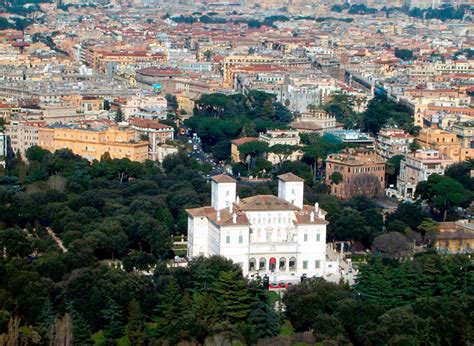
column 282, row 264
column 262, row 264
column 273, row 262
column 292, row 264
column 252, row 264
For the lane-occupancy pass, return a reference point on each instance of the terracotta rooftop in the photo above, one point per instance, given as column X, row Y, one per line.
column 150, row 124
column 290, row 177
column 223, row 178
column 306, row 125
column 265, row 202
column 257, row 203
column 225, row 217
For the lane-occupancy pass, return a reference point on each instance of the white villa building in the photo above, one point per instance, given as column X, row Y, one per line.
column 266, row 235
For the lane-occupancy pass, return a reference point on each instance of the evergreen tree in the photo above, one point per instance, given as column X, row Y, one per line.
column 136, row 326
column 168, row 314
column 263, row 316
column 233, row 296
column 205, row 313
column 114, row 328
column 119, row 115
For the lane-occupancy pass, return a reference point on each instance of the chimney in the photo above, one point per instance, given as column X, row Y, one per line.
column 316, row 207
column 231, row 206
column 218, row 215
column 237, row 200
column 311, row 216
column 234, row 218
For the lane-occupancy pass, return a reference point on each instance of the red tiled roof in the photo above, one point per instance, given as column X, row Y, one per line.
column 290, row 177
column 223, row 178
column 150, row 124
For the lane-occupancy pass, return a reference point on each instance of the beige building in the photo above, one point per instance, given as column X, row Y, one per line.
column 23, row 134
column 156, row 133
column 317, row 122
column 234, row 147
column 284, row 137
column 447, row 143
column 92, row 144
column 455, row 237
column 418, row 166
column 272, row 137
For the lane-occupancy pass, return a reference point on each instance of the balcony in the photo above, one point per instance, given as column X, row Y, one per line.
column 272, row 248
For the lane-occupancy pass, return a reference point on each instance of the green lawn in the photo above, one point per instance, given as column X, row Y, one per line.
column 100, row 340
column 287, row 329
column 273, row 297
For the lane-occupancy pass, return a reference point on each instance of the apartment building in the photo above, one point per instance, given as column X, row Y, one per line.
column 393, row 141
column 363, row 173
column 418, row 166
column 318, row 121
column 156, row 133
column 447, row 143
column 455, row 237
column 139, row 102
column 465, row 133
column 286, row 137
column 23, row 135
column 455, row 66
column 93, row 143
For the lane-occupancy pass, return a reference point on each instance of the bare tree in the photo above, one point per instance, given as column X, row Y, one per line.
column 366, row 184
column 62, row 331
column 13, row 331
column 393, row 245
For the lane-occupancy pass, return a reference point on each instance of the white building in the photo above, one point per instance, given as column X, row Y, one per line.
column 418, row 166
column 265, row 234
column 393, row 141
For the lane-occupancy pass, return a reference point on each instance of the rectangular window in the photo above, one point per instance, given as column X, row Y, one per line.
column 305, row 237
column 318, row 237
column 241, row 239
column 317, row 264
column 227, row 239
column 305, row 264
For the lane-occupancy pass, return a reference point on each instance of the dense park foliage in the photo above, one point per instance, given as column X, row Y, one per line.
column 106, row 211
column 380, row 112
column 219, row 118
column 427, row 300
column 107, row 280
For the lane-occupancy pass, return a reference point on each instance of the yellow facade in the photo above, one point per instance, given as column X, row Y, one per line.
column 244, row 60
column 447, row 143
column 454, row 245
column 92, row 145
